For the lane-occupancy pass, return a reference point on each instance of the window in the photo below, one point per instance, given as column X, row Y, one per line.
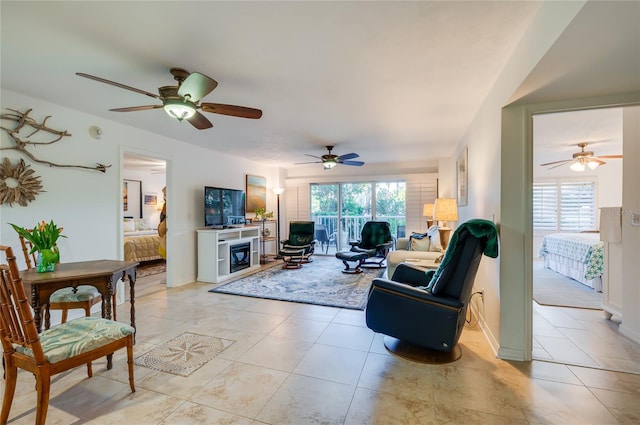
column 343, row 208
column 564, row 206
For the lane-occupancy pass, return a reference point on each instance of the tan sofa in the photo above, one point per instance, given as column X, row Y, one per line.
column 432, row 252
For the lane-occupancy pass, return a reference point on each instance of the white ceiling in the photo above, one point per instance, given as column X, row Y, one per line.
column 388, row 80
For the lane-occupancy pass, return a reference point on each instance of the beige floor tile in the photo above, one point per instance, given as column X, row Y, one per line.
column 276, row 353
column 473, row 389
column 182, row 387
column 624, row 406
column 347, row 336
column 389, row 374
column 350, row 317
column 304, row 401
column 241, row 389
column 547, row 402
column 372, row 408
column 301, row 329
column 562, row 349
column 332, row 363
column 196, row 414
column 449, row 415
column 608, row 380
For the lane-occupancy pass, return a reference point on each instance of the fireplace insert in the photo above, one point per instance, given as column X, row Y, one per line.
column 239, row 256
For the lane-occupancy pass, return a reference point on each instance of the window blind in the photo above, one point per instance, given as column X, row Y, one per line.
column 565, row 206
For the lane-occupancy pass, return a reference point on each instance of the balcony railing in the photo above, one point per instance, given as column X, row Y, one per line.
column 351, row 226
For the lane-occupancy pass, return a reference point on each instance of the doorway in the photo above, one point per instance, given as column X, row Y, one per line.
column 140, row 236
column 575, row 331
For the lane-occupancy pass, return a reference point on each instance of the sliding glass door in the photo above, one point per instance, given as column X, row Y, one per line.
column 341, row 209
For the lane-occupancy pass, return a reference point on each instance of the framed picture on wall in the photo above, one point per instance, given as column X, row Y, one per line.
column 150, row 199
column 132, row 198
column 462, row 173
column 256, row 192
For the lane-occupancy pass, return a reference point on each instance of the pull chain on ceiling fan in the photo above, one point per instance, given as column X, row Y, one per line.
column 182, row 101
column 581, row 160
column 330, row 160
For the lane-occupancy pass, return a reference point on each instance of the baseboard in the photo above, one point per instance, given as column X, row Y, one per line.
column 491, row 340
column 629, row 333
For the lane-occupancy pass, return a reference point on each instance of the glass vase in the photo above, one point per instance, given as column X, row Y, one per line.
column 47, row 259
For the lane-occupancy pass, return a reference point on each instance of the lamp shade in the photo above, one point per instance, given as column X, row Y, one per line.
column 445, row 209
column 427, row 210
column 278, row 190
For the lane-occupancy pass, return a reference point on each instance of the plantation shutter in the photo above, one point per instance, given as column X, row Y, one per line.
column 564, row 206
column 577, row 206
column 545, row 206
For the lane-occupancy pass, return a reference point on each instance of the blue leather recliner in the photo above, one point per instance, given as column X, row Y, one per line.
column 428, row 309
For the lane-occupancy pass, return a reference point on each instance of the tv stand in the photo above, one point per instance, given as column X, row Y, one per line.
column 214, row 252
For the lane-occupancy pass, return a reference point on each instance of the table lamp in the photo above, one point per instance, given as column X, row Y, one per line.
column 445, row 209
column 427, row 211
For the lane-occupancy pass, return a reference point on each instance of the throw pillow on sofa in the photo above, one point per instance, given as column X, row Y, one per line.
column 416, row 244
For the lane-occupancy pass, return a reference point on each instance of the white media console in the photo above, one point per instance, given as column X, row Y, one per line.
column 227, row 253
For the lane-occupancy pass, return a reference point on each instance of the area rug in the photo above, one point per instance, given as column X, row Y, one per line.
column 554, row 289
column 183, row 354
column 148, row 268
column 320, row 282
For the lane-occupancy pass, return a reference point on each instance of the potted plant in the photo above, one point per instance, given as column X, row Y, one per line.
column 43, row 238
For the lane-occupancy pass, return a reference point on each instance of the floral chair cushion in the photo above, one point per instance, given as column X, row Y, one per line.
column 78, row 336
column 84, row 293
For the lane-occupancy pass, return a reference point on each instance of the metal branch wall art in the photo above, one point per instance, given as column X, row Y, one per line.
column 23, row 120
column 17, row 183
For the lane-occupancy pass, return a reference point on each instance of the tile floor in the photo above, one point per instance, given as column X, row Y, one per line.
column 303, row 364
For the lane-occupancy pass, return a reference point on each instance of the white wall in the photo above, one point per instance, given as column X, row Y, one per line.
column 631, row 234
column 492, row 192
column 88, row 203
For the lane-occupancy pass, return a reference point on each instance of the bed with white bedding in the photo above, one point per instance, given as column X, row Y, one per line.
column 579, row 256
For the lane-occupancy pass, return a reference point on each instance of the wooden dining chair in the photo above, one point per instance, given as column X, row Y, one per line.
column 64, row 347
column 65, row 299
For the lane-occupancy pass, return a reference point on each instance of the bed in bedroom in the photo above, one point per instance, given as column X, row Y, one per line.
column 140, row 242
column 579, row 256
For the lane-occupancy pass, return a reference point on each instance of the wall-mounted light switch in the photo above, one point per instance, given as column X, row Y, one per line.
column 635, row 218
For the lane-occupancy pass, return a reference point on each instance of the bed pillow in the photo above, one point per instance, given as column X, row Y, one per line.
column 142, row 224
column 129, row 226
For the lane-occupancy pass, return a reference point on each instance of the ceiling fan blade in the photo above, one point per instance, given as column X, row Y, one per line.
column 313, row 156
column 310, row 162
column 560, row 165
column 199, row 121
column 136, row 108
column 122, row 86
column 609, row 156
column 348, row 156
column 556, row 162
column 197, row 86
column 235, row 111
column 356, row 163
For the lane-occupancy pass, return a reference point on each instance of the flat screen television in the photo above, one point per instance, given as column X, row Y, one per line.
column 223, row 207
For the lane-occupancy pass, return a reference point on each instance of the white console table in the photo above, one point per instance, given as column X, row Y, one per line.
column 214, row 252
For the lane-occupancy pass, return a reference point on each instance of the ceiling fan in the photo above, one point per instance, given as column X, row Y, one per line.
column 182, row 101
column 330, row 160
column 582, row 159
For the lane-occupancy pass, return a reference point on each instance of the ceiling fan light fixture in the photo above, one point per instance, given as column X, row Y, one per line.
column 329, row 164
column 577, row 166
column 179, row 109
column 592, row 165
